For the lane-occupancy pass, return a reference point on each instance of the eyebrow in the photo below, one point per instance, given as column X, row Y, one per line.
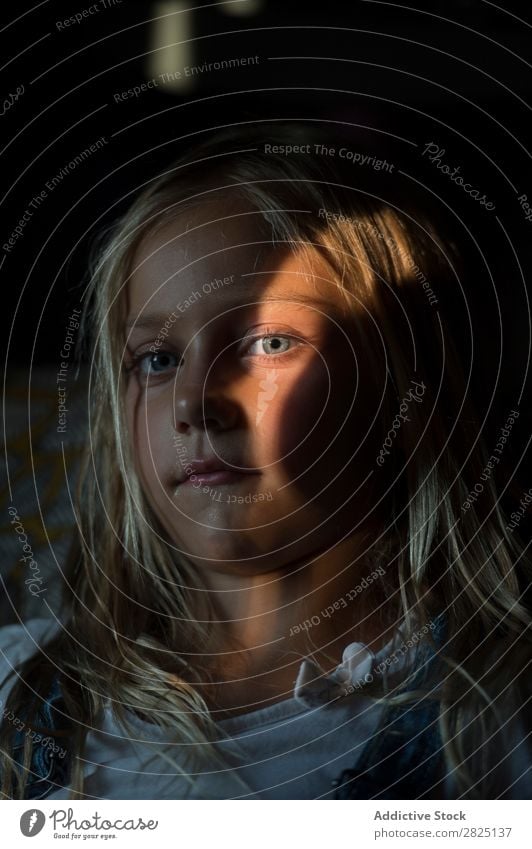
column 154, row 321
column 151, row 321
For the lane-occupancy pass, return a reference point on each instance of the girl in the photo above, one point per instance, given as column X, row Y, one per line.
column 276, row 590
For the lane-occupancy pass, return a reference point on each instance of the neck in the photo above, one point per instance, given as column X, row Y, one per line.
column 267, row 620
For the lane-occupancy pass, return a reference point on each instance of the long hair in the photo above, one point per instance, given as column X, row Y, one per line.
column 131, row 627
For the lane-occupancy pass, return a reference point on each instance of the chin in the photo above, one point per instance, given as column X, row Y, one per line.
column 228, row 553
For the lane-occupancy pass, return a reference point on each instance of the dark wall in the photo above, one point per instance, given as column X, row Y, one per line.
column 454, row 74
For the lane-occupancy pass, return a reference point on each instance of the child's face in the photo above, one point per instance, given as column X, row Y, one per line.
column 266, row 386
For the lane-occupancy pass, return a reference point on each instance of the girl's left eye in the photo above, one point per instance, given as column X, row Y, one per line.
column 272, row 343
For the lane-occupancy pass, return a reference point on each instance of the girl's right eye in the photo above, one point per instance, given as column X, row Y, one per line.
column 151, row 363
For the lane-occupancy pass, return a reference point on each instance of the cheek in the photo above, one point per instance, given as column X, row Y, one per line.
column 289, row 404
column 150, row 442
column 319, row 420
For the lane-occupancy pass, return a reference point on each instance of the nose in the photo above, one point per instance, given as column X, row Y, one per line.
column 201, row 393
column 203, row 408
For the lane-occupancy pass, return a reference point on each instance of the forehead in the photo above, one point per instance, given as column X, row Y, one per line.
column 228, row 253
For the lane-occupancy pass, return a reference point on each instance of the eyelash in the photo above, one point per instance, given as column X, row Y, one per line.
column 137, row 359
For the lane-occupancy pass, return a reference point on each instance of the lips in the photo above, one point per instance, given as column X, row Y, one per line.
column 213, row 470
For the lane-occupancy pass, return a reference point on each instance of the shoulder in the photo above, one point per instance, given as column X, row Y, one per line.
column 498, row 741
column 511, row 743
column 513, row 747
column 504, row 765
column 18, row 643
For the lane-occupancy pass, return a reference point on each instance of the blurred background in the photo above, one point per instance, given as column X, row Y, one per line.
column 97, row 98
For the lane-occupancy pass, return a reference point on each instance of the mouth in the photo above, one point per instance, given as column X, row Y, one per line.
column 213, row 472
column 215, row 478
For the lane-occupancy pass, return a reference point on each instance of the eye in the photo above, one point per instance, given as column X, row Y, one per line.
column 155, row 363
column 271, row 344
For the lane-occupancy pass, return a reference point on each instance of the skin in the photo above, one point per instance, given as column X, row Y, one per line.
column 268, row 564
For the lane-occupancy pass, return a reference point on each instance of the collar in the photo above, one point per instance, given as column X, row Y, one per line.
column 360, row 665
